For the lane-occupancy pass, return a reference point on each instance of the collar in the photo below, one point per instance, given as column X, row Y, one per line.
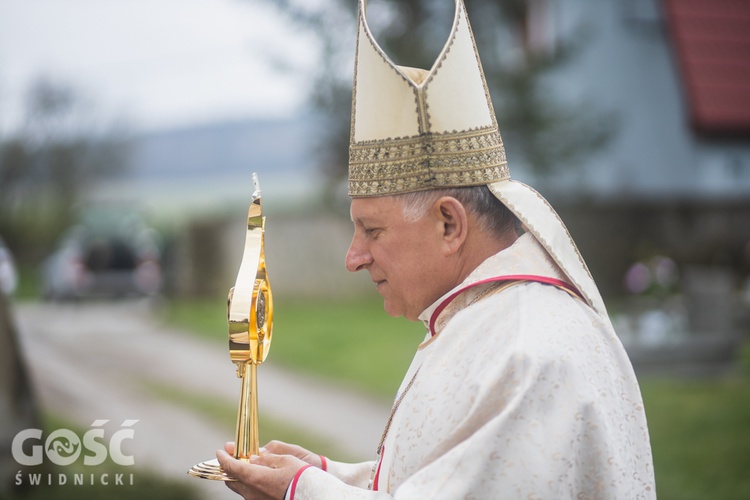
column 525, row 260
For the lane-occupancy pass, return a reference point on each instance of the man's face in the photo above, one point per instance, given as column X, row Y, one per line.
column 402, row 257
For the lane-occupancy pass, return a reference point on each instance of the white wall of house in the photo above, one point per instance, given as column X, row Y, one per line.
column 628, row 66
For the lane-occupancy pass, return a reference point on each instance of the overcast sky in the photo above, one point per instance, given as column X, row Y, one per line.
column 155, row 63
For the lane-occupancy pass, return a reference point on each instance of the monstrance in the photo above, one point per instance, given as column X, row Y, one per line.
column 250, row 318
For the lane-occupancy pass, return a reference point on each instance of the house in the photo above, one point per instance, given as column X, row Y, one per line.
column 675, row 179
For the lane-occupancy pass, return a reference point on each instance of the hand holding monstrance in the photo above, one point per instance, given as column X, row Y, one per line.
column 250, row 318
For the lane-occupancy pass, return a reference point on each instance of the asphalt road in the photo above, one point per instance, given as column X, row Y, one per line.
column 100, row 361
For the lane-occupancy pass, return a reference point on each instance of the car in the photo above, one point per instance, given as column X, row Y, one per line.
column 105, row 255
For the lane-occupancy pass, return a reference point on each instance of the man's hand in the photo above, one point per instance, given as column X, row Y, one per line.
column 281, row 448
column 267, row 476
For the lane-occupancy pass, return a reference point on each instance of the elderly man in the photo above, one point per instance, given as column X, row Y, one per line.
column 521, row 388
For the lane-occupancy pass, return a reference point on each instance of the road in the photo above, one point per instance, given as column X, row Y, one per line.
column 101, row 361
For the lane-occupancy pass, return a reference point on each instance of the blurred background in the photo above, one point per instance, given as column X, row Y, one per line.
column 129, row 132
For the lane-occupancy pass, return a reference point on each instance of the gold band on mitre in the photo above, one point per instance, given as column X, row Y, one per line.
column 429, row 161
column 413, row 129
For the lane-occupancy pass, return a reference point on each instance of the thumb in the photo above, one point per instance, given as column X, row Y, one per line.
column 228, row 463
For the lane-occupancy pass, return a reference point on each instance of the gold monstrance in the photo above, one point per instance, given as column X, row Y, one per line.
column 250, row 317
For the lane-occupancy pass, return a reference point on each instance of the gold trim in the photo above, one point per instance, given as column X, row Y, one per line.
column 429, row 160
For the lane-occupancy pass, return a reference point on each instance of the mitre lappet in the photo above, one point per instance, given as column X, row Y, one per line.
column 417, row 129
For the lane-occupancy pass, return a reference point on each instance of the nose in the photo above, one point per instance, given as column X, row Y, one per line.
column 357, row 257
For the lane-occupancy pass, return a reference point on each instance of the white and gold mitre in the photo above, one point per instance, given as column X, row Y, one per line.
column 414, row 129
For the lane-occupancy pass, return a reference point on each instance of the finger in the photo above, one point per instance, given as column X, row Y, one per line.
column 278, row 447
column 229, row 464
column 224, row 458
column 281, row 448
column 230, row 448
column 234, row 486
column 276, row 443
column 269, row 460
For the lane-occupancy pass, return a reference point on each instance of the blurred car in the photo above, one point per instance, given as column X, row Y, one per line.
column 106, row 255
column 8, row 274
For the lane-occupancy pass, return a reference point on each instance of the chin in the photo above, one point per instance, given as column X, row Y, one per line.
column 396, row 311
column 392, row 310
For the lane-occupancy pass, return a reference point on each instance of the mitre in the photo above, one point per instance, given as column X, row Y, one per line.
column 417, row 129
column 414, row 129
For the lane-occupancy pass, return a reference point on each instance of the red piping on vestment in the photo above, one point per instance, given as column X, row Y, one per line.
column 512, row 277
column 296, row 478
column 377, row 472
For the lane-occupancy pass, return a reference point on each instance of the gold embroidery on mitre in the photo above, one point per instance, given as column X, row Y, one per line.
column 428, row 161
column 431, row 159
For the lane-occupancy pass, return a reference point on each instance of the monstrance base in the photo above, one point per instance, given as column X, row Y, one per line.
column 210, row 469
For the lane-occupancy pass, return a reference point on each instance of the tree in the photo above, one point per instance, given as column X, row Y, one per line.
column 48, row 165
column 539, row 129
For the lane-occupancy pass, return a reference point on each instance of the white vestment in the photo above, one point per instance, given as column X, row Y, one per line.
column 523, row 391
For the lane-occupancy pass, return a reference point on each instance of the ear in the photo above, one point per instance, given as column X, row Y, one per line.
column 454, row 223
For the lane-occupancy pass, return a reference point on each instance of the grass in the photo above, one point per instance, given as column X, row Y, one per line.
column 224, row 417
column 352, row 341
column 700, row 436
column 700, row 428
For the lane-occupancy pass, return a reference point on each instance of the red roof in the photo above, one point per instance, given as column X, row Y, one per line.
column 712, row 43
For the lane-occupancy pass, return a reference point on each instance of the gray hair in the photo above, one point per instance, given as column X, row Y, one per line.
column 492, row 215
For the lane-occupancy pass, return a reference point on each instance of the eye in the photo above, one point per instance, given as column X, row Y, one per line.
column 372, row 232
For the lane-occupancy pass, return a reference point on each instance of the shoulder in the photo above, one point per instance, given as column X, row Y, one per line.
column 530, row 305
column 532, row 325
